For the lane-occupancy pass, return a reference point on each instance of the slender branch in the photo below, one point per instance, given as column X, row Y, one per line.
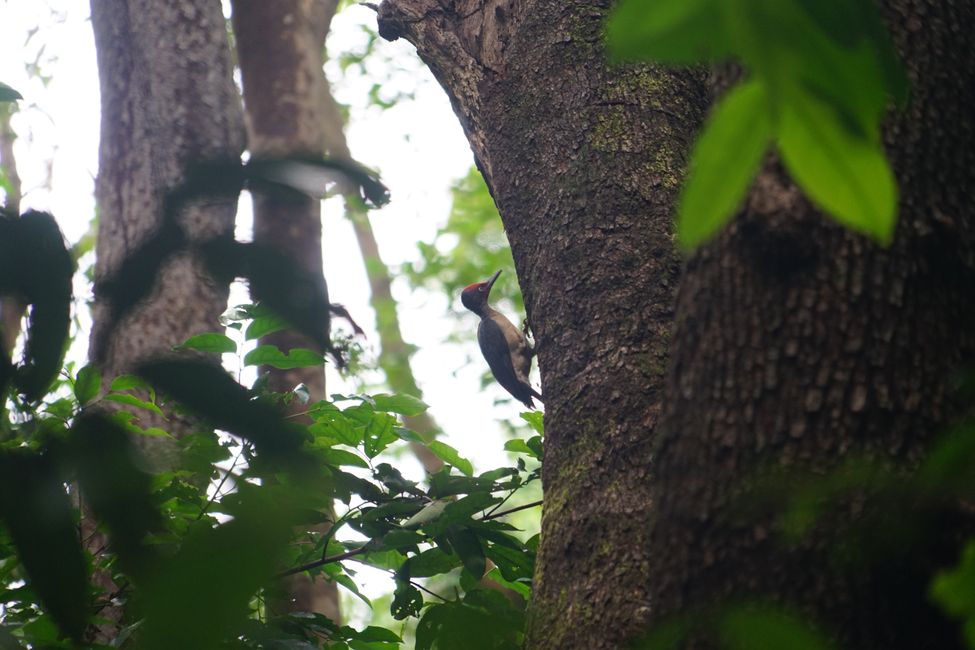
column 216, row 493
column 496, row 515
column 325, row 560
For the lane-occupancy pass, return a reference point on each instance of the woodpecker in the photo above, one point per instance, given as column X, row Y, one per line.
column 503, row 345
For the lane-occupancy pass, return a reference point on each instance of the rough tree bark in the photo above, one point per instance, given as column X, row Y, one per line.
column 583, row 162
column 801, row 344
column 280, row 49
column 167, row 101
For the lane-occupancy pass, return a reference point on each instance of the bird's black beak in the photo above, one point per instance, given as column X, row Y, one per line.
column 490, row 281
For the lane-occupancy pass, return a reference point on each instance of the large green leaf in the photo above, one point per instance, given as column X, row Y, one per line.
column 449, row 455
column 87, row 383
column 210, row 342
column 724, row 162
column 843, row 172
column 954, row 590
column 752, row 628
column 270, row 355
column 687, row 31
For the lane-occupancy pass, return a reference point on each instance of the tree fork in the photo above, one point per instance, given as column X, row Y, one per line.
column 583, row 162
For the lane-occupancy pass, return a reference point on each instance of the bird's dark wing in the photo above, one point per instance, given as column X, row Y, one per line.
column 495, row 349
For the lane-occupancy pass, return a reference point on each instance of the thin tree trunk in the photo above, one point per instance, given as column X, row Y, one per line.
column 280, row 48
column 583, row 161
column 802, row 345
column 167, row 101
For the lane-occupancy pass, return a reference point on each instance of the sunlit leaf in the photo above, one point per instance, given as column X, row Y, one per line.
column 449, row 455
column 270, row 355
column 403, row 404
column 723, row 163
column 954, row 590
column 210, row 342
column 845, row 174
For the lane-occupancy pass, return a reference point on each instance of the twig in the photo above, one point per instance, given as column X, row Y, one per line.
column 495, row 515
column 325, row 560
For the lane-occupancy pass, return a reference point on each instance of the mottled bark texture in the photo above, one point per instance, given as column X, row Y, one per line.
column 280, row 49
column 168, row 101
column 583, row 161
column 799, row 344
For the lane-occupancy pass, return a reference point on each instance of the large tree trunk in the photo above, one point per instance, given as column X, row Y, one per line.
column 796, row 340
column 800, row 344
column 167, row 101
column 583, row 162
column 280, row 49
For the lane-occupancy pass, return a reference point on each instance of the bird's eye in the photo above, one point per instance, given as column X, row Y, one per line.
column 480, row 289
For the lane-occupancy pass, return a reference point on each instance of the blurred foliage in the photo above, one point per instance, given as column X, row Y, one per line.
column 820, row 75
column 468, row 249
column 191, row 550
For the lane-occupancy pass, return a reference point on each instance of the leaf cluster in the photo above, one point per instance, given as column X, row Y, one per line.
column 819, row 78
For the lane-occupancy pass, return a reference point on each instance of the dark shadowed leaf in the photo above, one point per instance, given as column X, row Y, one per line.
column 8, row 94
column 407, row 601
column 467, row 545
column 35, row 246
column 210, row 392
column 87, row 383
column 753, row 628
column 38, row 515
column 116, row 487
column 201, row 596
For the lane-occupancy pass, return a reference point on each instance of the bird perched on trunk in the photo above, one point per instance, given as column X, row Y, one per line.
column 503, row 345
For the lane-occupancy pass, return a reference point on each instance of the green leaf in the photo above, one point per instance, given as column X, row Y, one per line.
column 468, row 546
column 350, row 584
column 954, row 590
column 681, row 32
column 724, row 162
column 536, row 420
column 751, row 628
column 87, row 383
column 518, row 446
column 432, row 562
column 407, row 601
column 8, row 94
column 449, row 455
column 128, row 382
column 209, row 342
column 264, row 324
column 132, row 400
column 844, row 173
column 342, row 457
column 270, row 355
column 403, row 404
